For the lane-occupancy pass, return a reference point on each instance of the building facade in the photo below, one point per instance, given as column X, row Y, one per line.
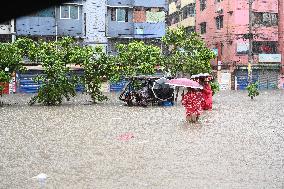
column 223, row 24
column 94, row 14
column 53, row 22
column 128, row 20
column 82, row 19
column 181, row 13
column 7, row 31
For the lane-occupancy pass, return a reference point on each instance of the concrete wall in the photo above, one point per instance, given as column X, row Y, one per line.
column 150, row 3
column 28, row 25
column 120, row 29
column 281, row 32
column 142, row 3
column 45, row 25
column 5, row 29
column 190, row 21
column 151, row 30
column 95, row 11
column 128, row 3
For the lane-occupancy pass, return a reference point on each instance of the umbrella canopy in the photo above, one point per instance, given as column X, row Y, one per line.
column 161, row 83
column 203, row 75
column 194, row 76
column 184, row 82
column 161, row 90
column 161, row 80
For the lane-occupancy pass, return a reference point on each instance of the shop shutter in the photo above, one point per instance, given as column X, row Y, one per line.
column 242, row 78
column 268, row 79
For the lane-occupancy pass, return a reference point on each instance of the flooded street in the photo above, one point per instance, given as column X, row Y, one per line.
column 239, row 144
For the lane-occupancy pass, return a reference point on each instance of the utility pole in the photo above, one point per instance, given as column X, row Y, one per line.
column 56, row 25
column 13, row 32
column 250, row 37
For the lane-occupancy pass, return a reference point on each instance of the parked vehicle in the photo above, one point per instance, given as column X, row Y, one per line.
column 145, row 90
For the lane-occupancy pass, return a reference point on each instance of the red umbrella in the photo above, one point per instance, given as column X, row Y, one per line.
column 184, row 82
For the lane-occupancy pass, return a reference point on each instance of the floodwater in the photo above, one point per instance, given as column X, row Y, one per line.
column 239, row 144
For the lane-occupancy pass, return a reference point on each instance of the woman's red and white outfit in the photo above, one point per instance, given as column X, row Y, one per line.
column 207, row 96
column 192, row 101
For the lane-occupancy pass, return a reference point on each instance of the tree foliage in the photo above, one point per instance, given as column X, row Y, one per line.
column 252, row 89
column 186, row 53
column 57, row 80
column 137, row 58
column 96, row 64
column 215, row 87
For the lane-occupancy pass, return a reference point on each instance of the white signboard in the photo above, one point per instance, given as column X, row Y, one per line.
column 225, row 83
column 242, row 48
column 269, row 58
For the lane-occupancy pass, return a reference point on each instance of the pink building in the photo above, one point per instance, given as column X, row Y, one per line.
column 223, row 23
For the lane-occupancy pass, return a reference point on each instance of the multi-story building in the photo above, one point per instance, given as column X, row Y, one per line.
column 7, row 31
column 82, row 19
column 181, row 13
column 223, row 25
column 53, row 22
column 135, row 19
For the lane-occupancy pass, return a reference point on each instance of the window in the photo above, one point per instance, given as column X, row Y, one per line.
column 46, row 13
column 203, row 27
column 49, row 12
column 219, row 22
column 202, row 5
column 69, row 12
column 119, row 14
column 265, row 19
column 190, row 29
column 264, row 47
column 188, row 11
column 5, row 23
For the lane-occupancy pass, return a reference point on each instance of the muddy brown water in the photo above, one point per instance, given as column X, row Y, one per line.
column 239, row 144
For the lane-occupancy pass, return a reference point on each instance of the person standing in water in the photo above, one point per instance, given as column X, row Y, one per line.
column 207, row 93
column 192, row 101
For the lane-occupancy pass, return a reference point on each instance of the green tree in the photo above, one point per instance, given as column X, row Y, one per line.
column 57, row 80
column 252, row 89
column 186, row 53
column 96, row 64
column 137, row 58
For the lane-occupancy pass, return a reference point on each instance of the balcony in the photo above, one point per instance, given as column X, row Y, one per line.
column 150, row 3
column 30, row 25
column 137, row 3
column 120, row 29
column 120, row 3
column 149, row 30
